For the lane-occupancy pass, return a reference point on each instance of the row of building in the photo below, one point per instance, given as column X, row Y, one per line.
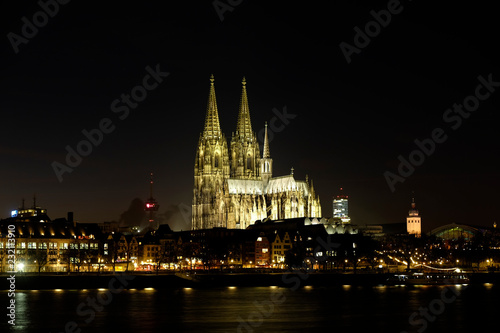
column 63, row 245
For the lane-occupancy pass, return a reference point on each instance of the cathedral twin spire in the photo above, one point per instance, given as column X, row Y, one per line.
column 245, row 152
column 212, row 125
column 244, row 125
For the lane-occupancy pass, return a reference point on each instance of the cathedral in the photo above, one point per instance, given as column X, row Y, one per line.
column 234, row 186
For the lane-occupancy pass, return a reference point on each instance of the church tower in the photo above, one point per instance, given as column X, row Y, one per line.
column 413, row 221
column 245, row 151
column 211, row 171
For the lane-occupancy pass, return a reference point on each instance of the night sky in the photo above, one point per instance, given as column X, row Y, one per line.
column 350, row 122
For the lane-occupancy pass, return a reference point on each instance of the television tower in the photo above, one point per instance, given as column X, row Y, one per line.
column 151, row 205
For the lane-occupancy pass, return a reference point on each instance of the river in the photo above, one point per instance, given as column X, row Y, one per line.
column 457, row 308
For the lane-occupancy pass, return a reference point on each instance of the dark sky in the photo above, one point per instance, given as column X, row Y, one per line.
column 352, row 120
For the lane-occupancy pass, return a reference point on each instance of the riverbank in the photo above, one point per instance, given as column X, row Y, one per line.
column 171, row 281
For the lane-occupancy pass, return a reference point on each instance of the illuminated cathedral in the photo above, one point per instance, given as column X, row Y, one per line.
column 234, row 186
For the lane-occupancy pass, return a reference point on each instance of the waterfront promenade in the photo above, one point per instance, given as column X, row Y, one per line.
column 26, row 281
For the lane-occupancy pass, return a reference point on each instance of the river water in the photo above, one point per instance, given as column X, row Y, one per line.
column 459, row 308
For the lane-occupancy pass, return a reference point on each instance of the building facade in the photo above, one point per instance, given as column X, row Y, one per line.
column 234, row 186
column 31, row 245
column 262, row 253
column 280, row 245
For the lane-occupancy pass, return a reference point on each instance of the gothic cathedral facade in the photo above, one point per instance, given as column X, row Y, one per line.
column 234, row 186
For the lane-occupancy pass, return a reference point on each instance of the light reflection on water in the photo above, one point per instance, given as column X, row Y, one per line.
column 258, row 309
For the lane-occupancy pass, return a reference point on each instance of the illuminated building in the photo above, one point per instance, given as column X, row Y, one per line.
column 262, row 253
column 280, row 245
column 28, row 214
column 454, row 232
column 341, row 207
column 413, row 221
column 58, row 245
column 234, row 186
column 121, row 251
column 150, row 251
